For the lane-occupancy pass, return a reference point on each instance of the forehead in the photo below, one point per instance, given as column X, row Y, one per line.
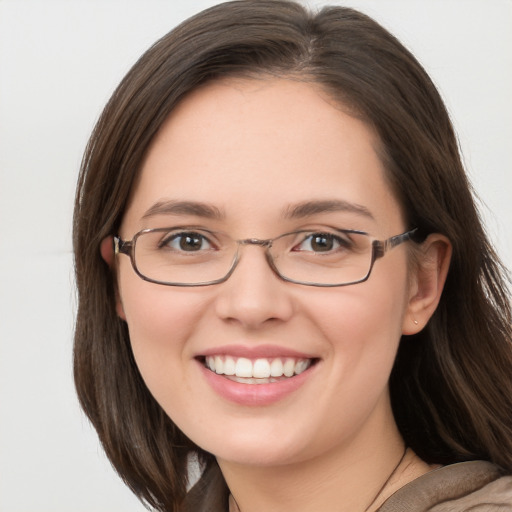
column 256, row 146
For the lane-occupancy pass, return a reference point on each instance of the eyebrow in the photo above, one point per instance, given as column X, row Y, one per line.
column 297, row 211
column 195, row 208
column 309, row 208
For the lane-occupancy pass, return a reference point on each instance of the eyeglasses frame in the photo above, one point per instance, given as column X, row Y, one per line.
column 379, row 249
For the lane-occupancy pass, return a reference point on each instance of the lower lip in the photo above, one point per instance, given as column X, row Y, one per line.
column 254, row 394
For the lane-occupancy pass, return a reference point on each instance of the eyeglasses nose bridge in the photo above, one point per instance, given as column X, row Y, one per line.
column 256, row 241
column 266, row 244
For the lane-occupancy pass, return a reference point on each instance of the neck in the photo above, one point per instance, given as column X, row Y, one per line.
column 357, row 477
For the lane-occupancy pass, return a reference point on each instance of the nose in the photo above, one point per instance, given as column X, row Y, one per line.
column 254, row 295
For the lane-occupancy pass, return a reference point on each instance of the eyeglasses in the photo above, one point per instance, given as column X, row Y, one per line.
column 187, row 256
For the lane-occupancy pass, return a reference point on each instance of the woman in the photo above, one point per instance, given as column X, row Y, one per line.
column 282, row 276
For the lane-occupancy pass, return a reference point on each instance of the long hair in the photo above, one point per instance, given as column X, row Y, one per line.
column 451, row 386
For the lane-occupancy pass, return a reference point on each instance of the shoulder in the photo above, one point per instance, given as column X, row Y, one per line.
column 468, row 486
column 476, row 486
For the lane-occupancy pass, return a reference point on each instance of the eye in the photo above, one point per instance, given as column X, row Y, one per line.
column 188, row 241
column 321, row 242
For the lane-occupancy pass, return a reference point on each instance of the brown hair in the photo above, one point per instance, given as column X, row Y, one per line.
column 451, row 386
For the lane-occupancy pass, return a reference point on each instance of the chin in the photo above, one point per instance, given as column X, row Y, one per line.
column 258, row 449
column 257, row 458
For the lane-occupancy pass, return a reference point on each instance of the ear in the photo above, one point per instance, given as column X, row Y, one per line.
column 107, row 253
column 107, row 250
column 427, row 282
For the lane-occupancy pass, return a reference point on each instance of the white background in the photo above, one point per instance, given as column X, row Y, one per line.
column 59, row 62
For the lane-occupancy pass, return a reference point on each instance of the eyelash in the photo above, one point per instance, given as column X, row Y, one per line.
column 181, row 235
column 334, row 242
column 333, row 238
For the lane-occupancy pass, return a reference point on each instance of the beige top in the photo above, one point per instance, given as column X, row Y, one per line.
column 468, row 486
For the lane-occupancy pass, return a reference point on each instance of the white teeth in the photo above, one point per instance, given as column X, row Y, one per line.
column 229, row 366
column 252, row 380
column 289, row 368
column 267, row 370
column 301, row 366
column 243, row 367
column 219, row 365
column 276, row 368
column 261, row 369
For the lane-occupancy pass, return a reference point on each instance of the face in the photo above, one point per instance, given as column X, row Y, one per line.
column 251, row 151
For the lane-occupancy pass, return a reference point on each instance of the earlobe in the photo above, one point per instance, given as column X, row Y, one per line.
column 427, row 283
column 107, row 250
column 107, row 253
column 119, row 307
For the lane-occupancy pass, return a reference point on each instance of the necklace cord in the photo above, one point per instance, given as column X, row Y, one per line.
column 234, row 504
column 384, row 485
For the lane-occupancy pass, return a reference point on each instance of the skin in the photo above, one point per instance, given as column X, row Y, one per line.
column 251, row 148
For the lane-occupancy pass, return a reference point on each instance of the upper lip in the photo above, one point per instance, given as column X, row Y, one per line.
column 255, row 352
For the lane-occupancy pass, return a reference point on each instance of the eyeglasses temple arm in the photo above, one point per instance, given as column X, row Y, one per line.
column 122, row 247
column 381, row 247
column 398, row 239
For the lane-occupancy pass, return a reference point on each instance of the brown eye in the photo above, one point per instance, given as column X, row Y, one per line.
column 320, row 242
column 187, row 241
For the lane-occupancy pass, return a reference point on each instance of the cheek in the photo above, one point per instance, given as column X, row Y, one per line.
column 363, row 324
column 161, row 321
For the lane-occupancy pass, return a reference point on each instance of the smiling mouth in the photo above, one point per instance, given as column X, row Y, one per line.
column 257, row 371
